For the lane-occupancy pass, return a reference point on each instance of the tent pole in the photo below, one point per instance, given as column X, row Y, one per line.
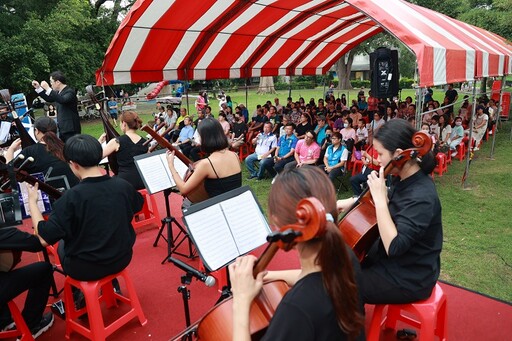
column 187, row 85
column 419, row 108
column 246, row 93
column 470, row 142
column 324, row 86
column 497, row 117
column 290, row 87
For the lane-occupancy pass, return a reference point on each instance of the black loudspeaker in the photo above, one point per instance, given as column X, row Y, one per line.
column 384, row 73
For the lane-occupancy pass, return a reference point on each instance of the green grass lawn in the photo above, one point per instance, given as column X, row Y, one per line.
column 477, row 222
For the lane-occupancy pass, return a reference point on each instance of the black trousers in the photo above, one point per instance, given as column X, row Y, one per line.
column 89, row 271
column 36, row 278
column 357, row 180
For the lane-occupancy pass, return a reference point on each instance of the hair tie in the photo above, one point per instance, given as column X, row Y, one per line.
column 329, row 217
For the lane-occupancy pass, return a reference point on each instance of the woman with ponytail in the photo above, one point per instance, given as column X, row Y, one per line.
column 323, row 303
column 48, row 154
column 126, row 147
column 404, row 263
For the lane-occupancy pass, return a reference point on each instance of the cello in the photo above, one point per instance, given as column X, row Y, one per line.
column 217, row 324
column 359, row 225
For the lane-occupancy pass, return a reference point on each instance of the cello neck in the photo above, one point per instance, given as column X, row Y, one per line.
column 164, row 143
column 265, row 258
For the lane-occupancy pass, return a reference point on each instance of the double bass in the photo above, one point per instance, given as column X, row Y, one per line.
column 110, row 131
column 359, row 225
column 217, row 324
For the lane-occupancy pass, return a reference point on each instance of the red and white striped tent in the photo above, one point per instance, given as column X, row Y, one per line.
column 208, row 39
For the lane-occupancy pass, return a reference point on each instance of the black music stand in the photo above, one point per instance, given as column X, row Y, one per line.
column 173, row 243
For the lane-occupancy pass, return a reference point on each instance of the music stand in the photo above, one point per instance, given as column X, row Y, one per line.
column 173, row 243
column 157, row 177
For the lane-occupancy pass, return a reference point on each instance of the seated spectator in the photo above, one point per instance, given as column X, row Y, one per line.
column 335, row 158
column 445, row 130
column 370, row 163
column 425, row 127
column 361, row 135
column 285, row 148
column 266, row 144
column 226, row 127
column 303, row 126
column 480, row 125
column 184, row 141
column 320, row 128
column 256, row 124
column 237, row 137
column 348, row 134
column 306, row 153
column 456, row 135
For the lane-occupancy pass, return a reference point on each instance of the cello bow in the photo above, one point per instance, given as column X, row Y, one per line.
column 110, row 131
column 197, row 194
column 359, row 225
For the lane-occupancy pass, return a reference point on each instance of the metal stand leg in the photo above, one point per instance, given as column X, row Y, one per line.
column 173, row 243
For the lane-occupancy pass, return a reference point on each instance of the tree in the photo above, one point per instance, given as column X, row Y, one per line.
column 266, row 86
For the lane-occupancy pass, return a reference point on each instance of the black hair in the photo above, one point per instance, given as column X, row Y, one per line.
column 84, row 150
column 397, row 134
column 48, row 128
column 212, row 136
column 58, row 76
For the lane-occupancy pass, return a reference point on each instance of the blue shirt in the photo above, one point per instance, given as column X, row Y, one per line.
column 187, row 132
column 112, row 104
column 334, row 157
column 286, row 144
column 320, row 134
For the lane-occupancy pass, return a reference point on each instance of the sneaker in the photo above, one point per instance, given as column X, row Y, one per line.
column 274, row 179
column 454, row 154
column 45, row 324
column 10, row 325
column 476, row 149
column 250, row 177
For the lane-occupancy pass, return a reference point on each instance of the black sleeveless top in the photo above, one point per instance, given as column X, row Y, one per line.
column 127, row 169
column 218, row 186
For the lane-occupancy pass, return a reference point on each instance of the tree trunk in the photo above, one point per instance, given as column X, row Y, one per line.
column 266, row 86
column 343, row 70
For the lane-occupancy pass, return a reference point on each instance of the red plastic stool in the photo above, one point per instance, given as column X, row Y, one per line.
column 21, row 331
column 357, row 167
column 91, row 290
column 461, row 150
column 441, row 166
column 430, row 317
column 149, row 213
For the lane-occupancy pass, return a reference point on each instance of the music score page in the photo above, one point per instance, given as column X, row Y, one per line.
column 227, row 229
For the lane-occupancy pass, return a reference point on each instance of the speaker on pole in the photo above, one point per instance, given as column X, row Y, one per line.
column 384, row 73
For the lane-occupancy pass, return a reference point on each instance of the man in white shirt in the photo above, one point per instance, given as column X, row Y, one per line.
column 266, row 144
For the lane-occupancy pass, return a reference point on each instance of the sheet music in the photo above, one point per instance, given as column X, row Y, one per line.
column 5, row 128
column 155, row 172
column 212, row 236
column 225, row 229
column 248, row 226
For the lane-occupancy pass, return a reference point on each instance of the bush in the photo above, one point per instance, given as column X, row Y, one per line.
column 357, row 83
column 405, row 83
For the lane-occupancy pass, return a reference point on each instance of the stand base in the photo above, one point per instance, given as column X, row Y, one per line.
column 174, row 243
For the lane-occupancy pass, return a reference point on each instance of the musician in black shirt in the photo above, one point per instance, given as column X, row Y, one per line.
column 92, row 220
column 404, row 263
column 35, row 277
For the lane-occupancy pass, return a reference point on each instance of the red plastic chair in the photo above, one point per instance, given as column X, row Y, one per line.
column 461, row 149
column 21, row 330
column 96, row 292
column 149, row 213
column 429, row 315
column 441, row 166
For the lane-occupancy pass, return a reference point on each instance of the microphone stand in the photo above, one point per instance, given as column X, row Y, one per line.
column 185, row 295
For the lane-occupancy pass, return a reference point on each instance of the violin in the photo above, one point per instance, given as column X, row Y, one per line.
column 198, row 193
column 110, row 131
column 359, row 225
column 217, row 324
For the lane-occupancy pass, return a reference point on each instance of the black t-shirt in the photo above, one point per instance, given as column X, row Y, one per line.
column 451, row 94
column 127, row 168
column 301, row 129
column 94, row 220
column 306, row 313
column 43, row 160
column 414, row 255
column 239, row 128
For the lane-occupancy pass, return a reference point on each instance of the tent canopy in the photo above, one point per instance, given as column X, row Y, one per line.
column 179, row 39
